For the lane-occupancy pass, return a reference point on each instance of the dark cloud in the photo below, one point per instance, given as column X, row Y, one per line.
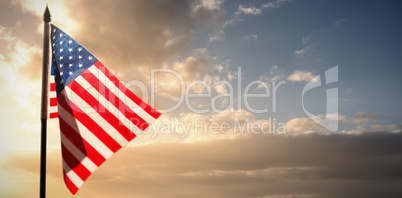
column 22, row 24
column 131, row 34
column 337, row 165
column 124, row 35
column 20, row 41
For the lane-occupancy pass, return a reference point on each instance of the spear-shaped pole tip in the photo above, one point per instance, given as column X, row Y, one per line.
column 46, row 15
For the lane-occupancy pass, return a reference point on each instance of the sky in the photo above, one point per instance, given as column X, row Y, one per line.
column 273, row 98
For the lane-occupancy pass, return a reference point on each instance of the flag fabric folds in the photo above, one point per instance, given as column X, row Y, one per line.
column 97, row 114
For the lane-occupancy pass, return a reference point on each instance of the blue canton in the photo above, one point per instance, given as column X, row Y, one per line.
column 70, row 58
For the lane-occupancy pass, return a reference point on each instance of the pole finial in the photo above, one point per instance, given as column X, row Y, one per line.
column 46, row 15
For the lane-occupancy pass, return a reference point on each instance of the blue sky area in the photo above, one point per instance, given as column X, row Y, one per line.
column 361, row 37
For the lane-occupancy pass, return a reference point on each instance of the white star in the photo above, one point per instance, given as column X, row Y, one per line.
column 61, row 50
column 89, row 57
column 54, row 37
column 53, row 44
column 70, row 57
column 54, row 30
column 61, row 65
column 61, row 34
column 80, row 65
column 61, row 58
column 61, row 73
column 69, row 41
column 61, row 42
column 70, row 50
column 69, row 73
column 79, row 49
column 70, row 65
column 53, row 51
column 79, row 57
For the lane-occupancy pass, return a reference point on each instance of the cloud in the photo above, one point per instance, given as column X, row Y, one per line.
column 391, row 127
column 307, row 125
column 250, row 10
column 358, row 130
column 128, row 37
column 199, row 67
column 237, row 17
column 299, row 76
column 301, row 125
column 191, row 127
column 216, row 37
column 135, row 37
column 189, row 70
column 258, row 11
column 251, row 166
column 221, row 88
column 300, row 51
column 19, row 65
column 274, row 4
column 273, row 76
column 125, row 39
column 208, row 4
column 305, row 49
column 359, row 118
column 200, row 51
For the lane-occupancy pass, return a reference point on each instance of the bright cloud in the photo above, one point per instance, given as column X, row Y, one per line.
column 249, row 10
column 298, row 76
column 301, row 125
column 300, row 51
column 208, row 4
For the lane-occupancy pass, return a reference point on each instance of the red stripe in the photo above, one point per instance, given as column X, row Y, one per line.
column 53, row 115
column 52, row 87
column 75, row 138
column 126, row 91
column 90, row 124
column 70, row 185
column 53, row 102
column 74, row 163
column 119, row 104
column 81, row 144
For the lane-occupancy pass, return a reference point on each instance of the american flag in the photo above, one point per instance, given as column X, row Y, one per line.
column 97, row 114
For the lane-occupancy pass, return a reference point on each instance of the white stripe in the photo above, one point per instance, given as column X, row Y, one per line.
column 85, row 133
column 95, row 116
column 51, row 78
column 53, row 109
column 116, row 91
column 106, row 103
column 85, row 161
column 52, row 94
column 77, row 181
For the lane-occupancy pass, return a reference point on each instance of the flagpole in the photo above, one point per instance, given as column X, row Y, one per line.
column 44, row 103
